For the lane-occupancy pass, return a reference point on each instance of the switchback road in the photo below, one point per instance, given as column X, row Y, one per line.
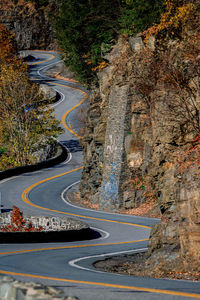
column 69, row 265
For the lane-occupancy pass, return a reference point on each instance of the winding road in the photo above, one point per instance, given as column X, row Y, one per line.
column 69, row 265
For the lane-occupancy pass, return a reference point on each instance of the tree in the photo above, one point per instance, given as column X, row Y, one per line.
column 7, row 44
column 87, row 29
column 138, row 15
column 27, row 123
column 82, row 27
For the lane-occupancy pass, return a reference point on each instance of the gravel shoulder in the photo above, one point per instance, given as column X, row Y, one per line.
column 135, row 265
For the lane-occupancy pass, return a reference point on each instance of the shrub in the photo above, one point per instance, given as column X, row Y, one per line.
column 18, row 223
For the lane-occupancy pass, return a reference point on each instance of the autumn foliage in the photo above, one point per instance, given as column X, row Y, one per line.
column 27, row 124
column 19, row 224
column 176, row 14
column 7, row 45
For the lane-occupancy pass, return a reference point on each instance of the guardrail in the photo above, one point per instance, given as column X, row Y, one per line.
column 41, row 165
column 48, row 236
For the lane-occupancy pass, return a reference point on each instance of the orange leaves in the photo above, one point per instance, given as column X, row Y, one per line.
column 190, row 158
column 88, row 61
column 171, row 19
column 101, row 66
column 8, row 51
column 19, row 224
column 27, row 124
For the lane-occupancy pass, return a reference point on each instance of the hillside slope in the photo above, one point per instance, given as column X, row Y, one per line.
column 148, row 152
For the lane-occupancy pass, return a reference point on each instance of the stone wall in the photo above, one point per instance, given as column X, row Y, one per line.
column 12, row 289
column 48, row 223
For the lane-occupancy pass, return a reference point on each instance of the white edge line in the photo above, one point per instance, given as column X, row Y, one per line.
column 70, row 155
column 46, row 67
column 8, row 179
column 68, row 202
column 61, row 100
column 73, row 263
column 106, row 234
column 87, row 209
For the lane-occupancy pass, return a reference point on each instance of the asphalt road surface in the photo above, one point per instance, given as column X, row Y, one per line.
column 69, row 265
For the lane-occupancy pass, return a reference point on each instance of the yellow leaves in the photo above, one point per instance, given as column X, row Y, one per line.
column 171, row 19
column 88, row 61
column 26, row 122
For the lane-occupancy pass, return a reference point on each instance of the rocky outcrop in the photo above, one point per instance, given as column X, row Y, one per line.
column 105, row 133
column 157, row 147
column 12, row 289
column 29, row 23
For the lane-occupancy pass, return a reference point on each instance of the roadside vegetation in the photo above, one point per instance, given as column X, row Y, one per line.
column 19, row 224
column 27, row 124
column 87, row 29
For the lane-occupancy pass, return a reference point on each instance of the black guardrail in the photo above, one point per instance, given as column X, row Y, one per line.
column 41, row 165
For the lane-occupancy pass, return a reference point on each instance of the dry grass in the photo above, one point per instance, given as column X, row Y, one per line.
column 145, row 209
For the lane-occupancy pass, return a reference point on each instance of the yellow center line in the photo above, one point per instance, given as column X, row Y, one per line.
column 103, row 284
column 71, row 109
column 25, row 199
column 42, row 61
column 69, row 247
column 24, row 195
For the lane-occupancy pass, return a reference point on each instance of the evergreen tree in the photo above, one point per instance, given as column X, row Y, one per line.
column 86, row 28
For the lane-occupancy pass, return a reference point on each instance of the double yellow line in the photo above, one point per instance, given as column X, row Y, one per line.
column 42, row 61
column 117, row 286
column 74, row 107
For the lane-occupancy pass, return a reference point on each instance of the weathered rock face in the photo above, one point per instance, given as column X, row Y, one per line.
column 11, row 288
column 31, row 26
column 153, row 146
column 99, row 139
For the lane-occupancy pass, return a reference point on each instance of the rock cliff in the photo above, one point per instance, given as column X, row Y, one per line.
column 29, row 23
column 142, row 141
